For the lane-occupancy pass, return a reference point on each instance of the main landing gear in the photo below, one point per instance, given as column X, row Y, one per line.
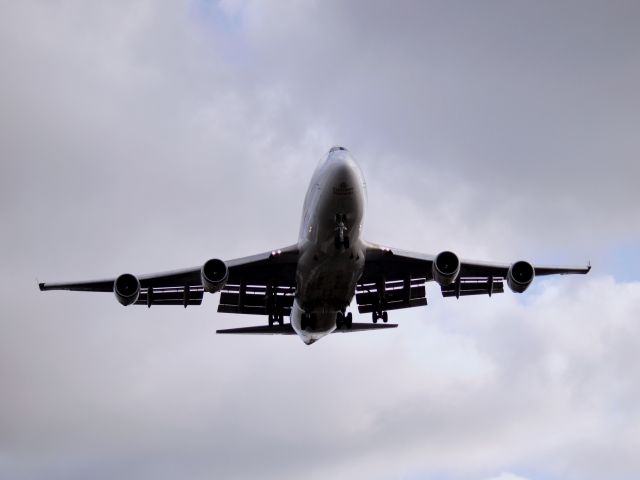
column 376, row 315
column 305, row 319
column 344, row 321
column 273, row 319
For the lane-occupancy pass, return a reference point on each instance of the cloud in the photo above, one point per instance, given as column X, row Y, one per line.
column 138, row 136
column 507, row 476
column 513, row 100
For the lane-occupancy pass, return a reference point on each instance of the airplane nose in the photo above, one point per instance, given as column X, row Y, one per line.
column 344, row 174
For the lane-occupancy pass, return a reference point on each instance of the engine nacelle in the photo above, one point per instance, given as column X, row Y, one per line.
column 214, row 274
column 126, row 289
column 520, row 276
column 446, row 268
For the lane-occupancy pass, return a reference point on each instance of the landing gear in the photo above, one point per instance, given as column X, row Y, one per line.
column 376, row 315
column 342, row 244
column 341, row 239
column 344, row 321
column 273, row 319
column 304, row 321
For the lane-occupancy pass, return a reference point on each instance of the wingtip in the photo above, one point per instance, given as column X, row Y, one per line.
column 41, row 286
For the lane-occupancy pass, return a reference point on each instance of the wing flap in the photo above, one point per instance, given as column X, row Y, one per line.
column 473, row 286
column 184, row 296
column 256, row 299
column 391, row 295
column 370, row 297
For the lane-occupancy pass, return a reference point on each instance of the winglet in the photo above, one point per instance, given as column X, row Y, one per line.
column 41, row 286
column 588, row 266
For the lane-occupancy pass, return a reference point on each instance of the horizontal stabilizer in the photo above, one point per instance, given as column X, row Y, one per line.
column 360, row 327
column 287, row 329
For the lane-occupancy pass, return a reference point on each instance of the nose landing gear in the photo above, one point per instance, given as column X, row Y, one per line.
column 344, row 321
column 273, row 319
column 341, row 239
column 305, row 320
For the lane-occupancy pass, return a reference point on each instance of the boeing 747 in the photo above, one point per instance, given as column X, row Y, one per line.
column 313, row 282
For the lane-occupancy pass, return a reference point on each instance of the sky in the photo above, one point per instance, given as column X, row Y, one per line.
column 141, row 136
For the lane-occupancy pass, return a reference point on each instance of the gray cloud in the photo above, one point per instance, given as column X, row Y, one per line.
column 534, row 105
column 142, row 137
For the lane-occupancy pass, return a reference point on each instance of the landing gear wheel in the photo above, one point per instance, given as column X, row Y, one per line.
column 271, row 320
column 374, row 317
column 341, row 240
column 340, row 321
column 349, row 320
column 385, row 317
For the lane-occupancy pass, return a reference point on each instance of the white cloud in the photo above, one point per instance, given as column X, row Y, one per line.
column 507, row 476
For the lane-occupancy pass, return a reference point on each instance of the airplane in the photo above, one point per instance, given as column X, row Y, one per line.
column 313, row 282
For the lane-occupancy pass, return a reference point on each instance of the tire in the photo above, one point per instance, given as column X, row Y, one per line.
column 385, row 317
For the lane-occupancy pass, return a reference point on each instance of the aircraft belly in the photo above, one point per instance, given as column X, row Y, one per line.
column 329, row 281
column 326, row 283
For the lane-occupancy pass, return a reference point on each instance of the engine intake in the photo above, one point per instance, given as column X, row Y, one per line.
column 214, row 275
column 126, row 289
column 520, row 276
column 446, row 268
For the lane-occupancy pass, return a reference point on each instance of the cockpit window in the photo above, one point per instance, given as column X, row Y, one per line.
column 335, row 149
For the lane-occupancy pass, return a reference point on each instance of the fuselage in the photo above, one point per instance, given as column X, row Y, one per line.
column 331, row 250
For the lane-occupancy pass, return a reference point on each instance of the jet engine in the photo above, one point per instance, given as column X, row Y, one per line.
column 446, row 268
column 520, row 276
column 214, row 275
column 126, row 289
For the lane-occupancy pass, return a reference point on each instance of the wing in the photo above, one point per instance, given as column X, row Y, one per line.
column 266, row 271
column 394, row 279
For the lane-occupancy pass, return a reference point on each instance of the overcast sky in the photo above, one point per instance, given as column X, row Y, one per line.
column 144, row 136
